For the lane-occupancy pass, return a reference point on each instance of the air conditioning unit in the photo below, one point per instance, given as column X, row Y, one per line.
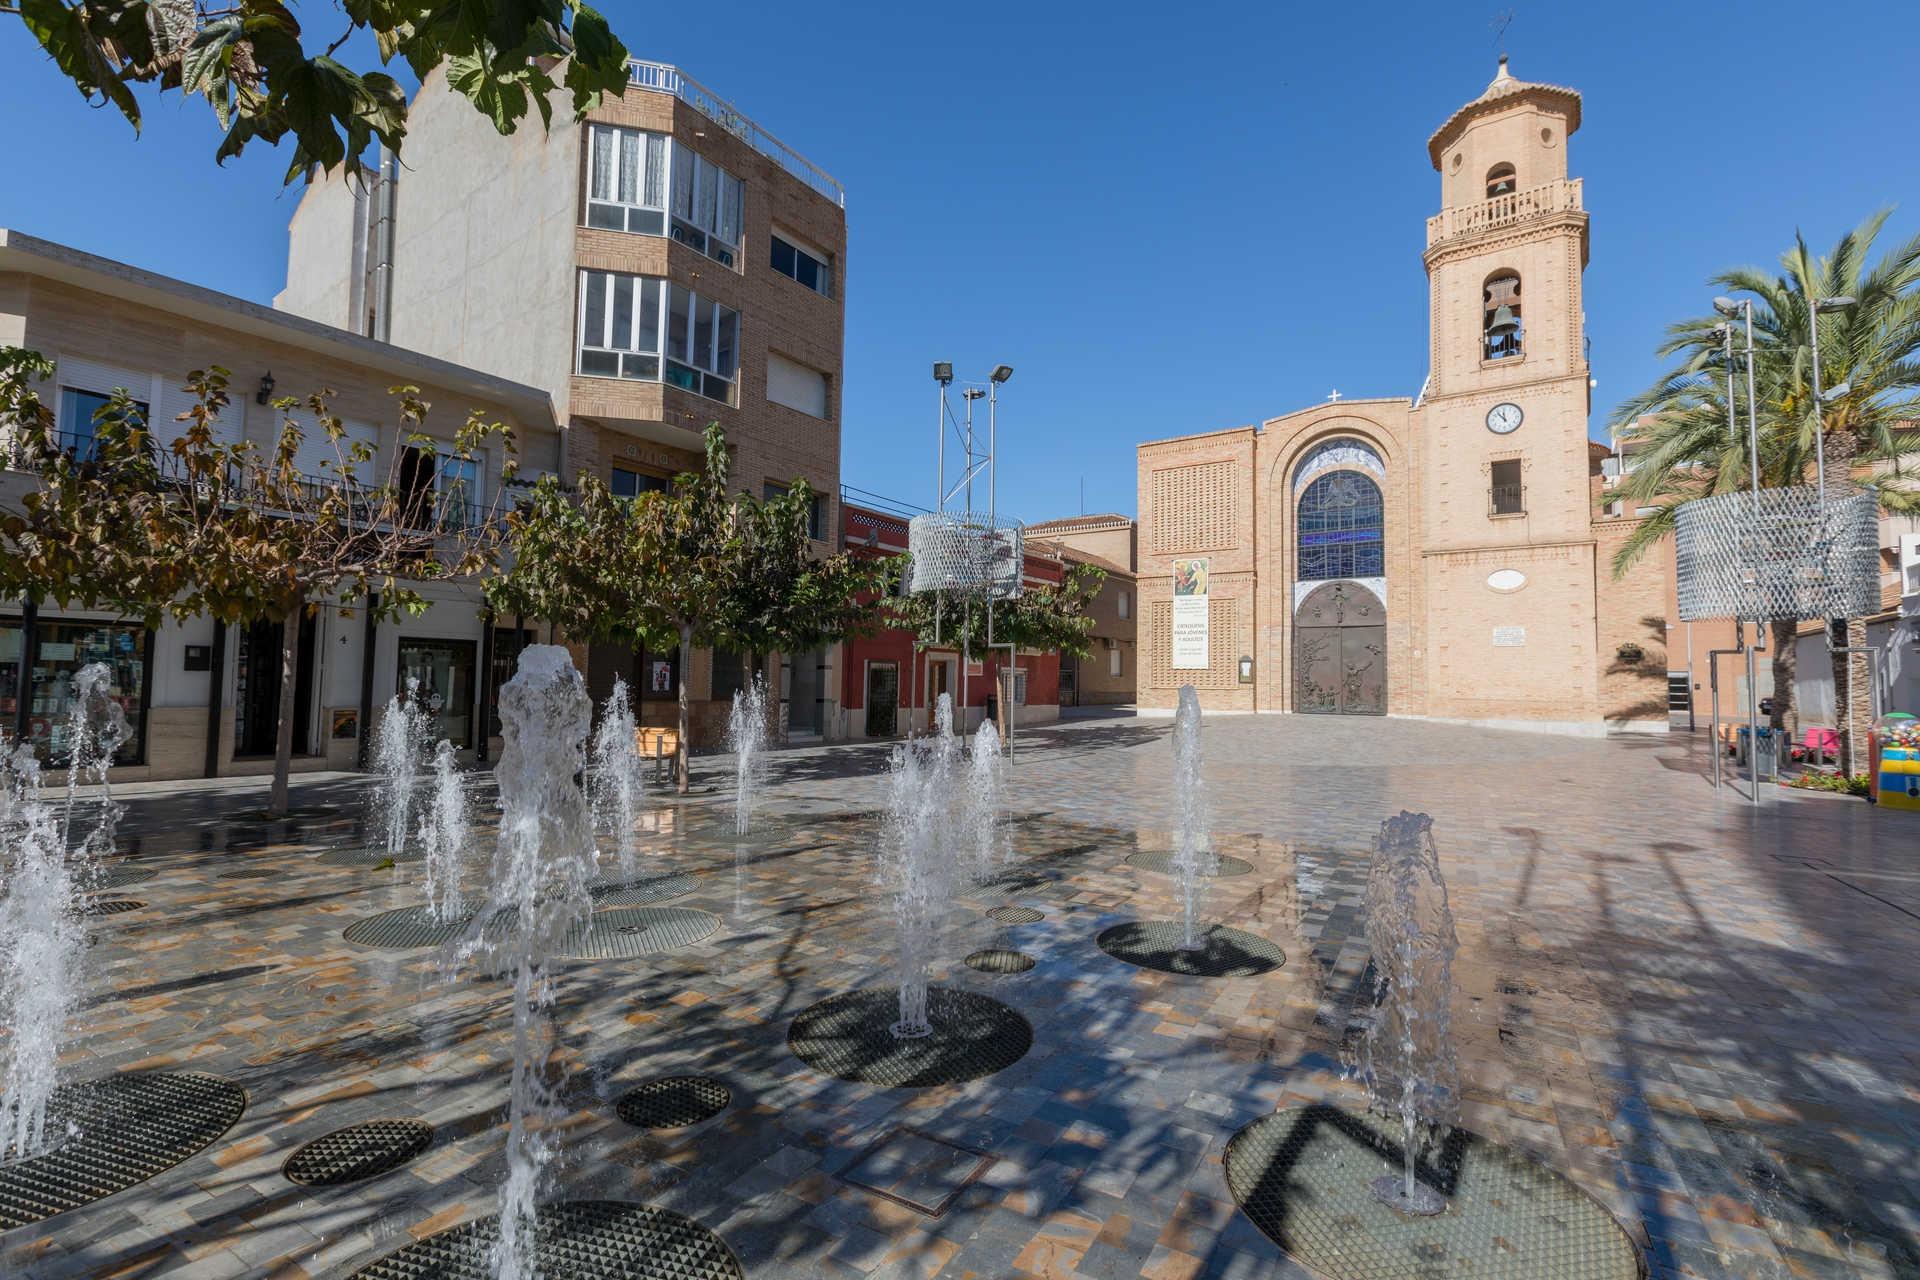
column 1106, row 642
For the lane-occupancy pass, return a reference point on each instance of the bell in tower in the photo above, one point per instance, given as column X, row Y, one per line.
column 1502, row 309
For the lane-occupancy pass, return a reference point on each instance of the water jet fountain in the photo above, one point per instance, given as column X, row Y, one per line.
column 1407, row 1060
column 1193, row 857
column 747, row 739
column 96, row 729
column 614, row 786
column 397, row 747
column 444, row 832
column 539, row 891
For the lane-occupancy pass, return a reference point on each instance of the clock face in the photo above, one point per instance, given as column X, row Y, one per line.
column 1503, row 418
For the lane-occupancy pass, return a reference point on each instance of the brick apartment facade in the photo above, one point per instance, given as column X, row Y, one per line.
column 570, row 260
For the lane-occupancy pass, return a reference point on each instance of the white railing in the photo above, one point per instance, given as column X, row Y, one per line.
column 1503, row 211
column 664, row 78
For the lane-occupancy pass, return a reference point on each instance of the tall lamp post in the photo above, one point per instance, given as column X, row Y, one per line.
column 1744, row 309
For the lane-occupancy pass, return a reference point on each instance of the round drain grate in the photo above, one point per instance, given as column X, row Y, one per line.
column 131, row 1127
column 406, row 927
column 573, row 1240
column 624, row 932
column 1162, row 861
column 847, row 1037
column 1000, row 960
column 642, row 891
column 367, row 856
column 1016, row 915
column 358, row 1151
column 1302, row 1175
column 1226, row 953
column 673, row 1102
column 110, row 906
column 122, row 876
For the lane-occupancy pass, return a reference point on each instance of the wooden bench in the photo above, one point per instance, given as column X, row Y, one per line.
column 659, row 745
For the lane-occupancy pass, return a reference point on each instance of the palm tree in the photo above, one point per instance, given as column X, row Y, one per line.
column 1678, row 428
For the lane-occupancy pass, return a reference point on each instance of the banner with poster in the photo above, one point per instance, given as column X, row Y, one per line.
column 1190, row 638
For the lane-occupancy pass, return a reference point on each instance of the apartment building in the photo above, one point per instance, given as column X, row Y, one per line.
column 664, row 264
column 203, row 696
column 1109, row 543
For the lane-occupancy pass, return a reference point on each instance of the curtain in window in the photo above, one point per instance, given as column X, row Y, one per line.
column 602, row 180
column 683, row 163
column 706, row 193
column 649, row 337
column 729, row 227
column 629, row 166
column 655, row 195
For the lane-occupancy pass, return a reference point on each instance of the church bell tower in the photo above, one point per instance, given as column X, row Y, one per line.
column 1505, row 496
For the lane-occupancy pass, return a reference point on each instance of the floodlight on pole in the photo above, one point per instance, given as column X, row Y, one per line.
column 1726, row 307
column 1001, row 372
column 1840, row 303
column 943, row 371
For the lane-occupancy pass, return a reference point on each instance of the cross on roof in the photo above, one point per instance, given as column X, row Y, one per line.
column 1334, row 394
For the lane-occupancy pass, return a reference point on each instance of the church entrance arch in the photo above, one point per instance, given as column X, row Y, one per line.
column 1340, row 652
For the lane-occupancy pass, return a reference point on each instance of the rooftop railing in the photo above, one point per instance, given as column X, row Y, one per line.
column 662, row 77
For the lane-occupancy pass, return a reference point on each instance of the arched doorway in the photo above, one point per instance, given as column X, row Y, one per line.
column 1340, row 652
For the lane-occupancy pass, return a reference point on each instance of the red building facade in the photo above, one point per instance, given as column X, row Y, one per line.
column 887, row 685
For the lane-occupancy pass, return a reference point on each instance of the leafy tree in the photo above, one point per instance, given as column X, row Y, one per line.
column 1679, row 425
column 786, row 600
column 263, row 79
column 238, row 533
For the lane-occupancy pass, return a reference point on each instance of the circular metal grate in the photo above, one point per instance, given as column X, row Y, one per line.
column 122, row 876
column 1302, row 1177
column 110, row 906
column 847, row 1037
column 1225, row 953
column 130, row 1127
column 406, row 927
column 357, row 1152
column 367, row 856
column 1162, row 861
column 625, row 932
column 673, row 1102
column 573, row 1240
column 1016, row 915
column 1000, row 960
column 643, row 890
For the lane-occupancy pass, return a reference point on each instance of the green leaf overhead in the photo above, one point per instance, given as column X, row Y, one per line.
column 262, row 81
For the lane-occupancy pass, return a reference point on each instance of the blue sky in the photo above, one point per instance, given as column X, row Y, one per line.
column 1168, row 219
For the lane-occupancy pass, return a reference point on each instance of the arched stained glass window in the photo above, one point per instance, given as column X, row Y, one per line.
column 1340, row 528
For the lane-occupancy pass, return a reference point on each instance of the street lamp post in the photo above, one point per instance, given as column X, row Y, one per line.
column 1821, row 398
column 1728, row 308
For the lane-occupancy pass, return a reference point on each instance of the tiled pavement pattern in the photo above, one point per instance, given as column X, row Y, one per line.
column 1703, row 1014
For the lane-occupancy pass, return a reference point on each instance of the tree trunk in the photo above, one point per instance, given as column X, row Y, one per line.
column 682, row 769
column 283, row 736
column 1785, row 665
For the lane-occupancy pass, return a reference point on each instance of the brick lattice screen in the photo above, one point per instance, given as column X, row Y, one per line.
column 1195, row 508
column 1223, row 627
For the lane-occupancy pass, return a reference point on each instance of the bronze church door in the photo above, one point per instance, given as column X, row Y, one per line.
column 1340, row 652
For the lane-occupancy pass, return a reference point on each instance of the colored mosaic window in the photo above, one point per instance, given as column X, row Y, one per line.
column 1341, row 521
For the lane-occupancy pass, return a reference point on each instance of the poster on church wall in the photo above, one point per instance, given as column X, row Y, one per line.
column 1190, row 622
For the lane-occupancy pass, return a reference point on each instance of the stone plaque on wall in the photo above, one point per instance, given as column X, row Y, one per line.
column 1509, row 637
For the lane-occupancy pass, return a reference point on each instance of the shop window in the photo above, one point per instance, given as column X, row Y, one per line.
column 59, row 650
column 445, row 670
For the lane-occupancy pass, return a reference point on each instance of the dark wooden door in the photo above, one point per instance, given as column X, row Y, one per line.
column 883, row 699
column 1340, row 652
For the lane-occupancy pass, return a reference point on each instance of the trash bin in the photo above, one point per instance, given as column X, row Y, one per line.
column 1893, row 761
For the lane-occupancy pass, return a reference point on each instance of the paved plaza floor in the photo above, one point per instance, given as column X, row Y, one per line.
column 1706, row 1014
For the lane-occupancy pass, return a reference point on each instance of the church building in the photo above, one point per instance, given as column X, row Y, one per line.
column 1445, row 556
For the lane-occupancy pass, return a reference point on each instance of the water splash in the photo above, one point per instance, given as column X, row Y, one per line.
column 1194, row 861
column 985, row 811
column 747, row 739
column 614, row 783
column 1407, row 1059
column 927, row 841
column 397, row 747
column 444, row 832
column 96, row 730
column 538, row 892
column 43, row 944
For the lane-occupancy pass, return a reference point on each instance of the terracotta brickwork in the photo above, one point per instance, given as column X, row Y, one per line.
column 1499, row 602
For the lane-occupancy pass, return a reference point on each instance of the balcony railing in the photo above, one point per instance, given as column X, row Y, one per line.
column 664, row 78
column 1504, row 211
column 1509, row 500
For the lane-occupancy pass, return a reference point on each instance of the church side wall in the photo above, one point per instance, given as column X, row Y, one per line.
column 1632, row 610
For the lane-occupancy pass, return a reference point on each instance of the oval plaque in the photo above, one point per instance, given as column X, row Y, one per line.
column 1506, row 580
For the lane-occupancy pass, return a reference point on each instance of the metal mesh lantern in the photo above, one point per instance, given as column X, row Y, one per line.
column 969, row 555
column 1790, row 558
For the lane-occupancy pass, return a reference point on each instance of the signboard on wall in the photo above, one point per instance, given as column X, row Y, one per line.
column 1190, row 620
column 1509, row 637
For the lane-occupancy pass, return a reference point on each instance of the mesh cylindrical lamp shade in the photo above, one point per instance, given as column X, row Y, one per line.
column 1793, row 558
column 966, row 555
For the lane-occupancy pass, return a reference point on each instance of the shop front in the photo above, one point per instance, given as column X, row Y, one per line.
column 39, row 658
